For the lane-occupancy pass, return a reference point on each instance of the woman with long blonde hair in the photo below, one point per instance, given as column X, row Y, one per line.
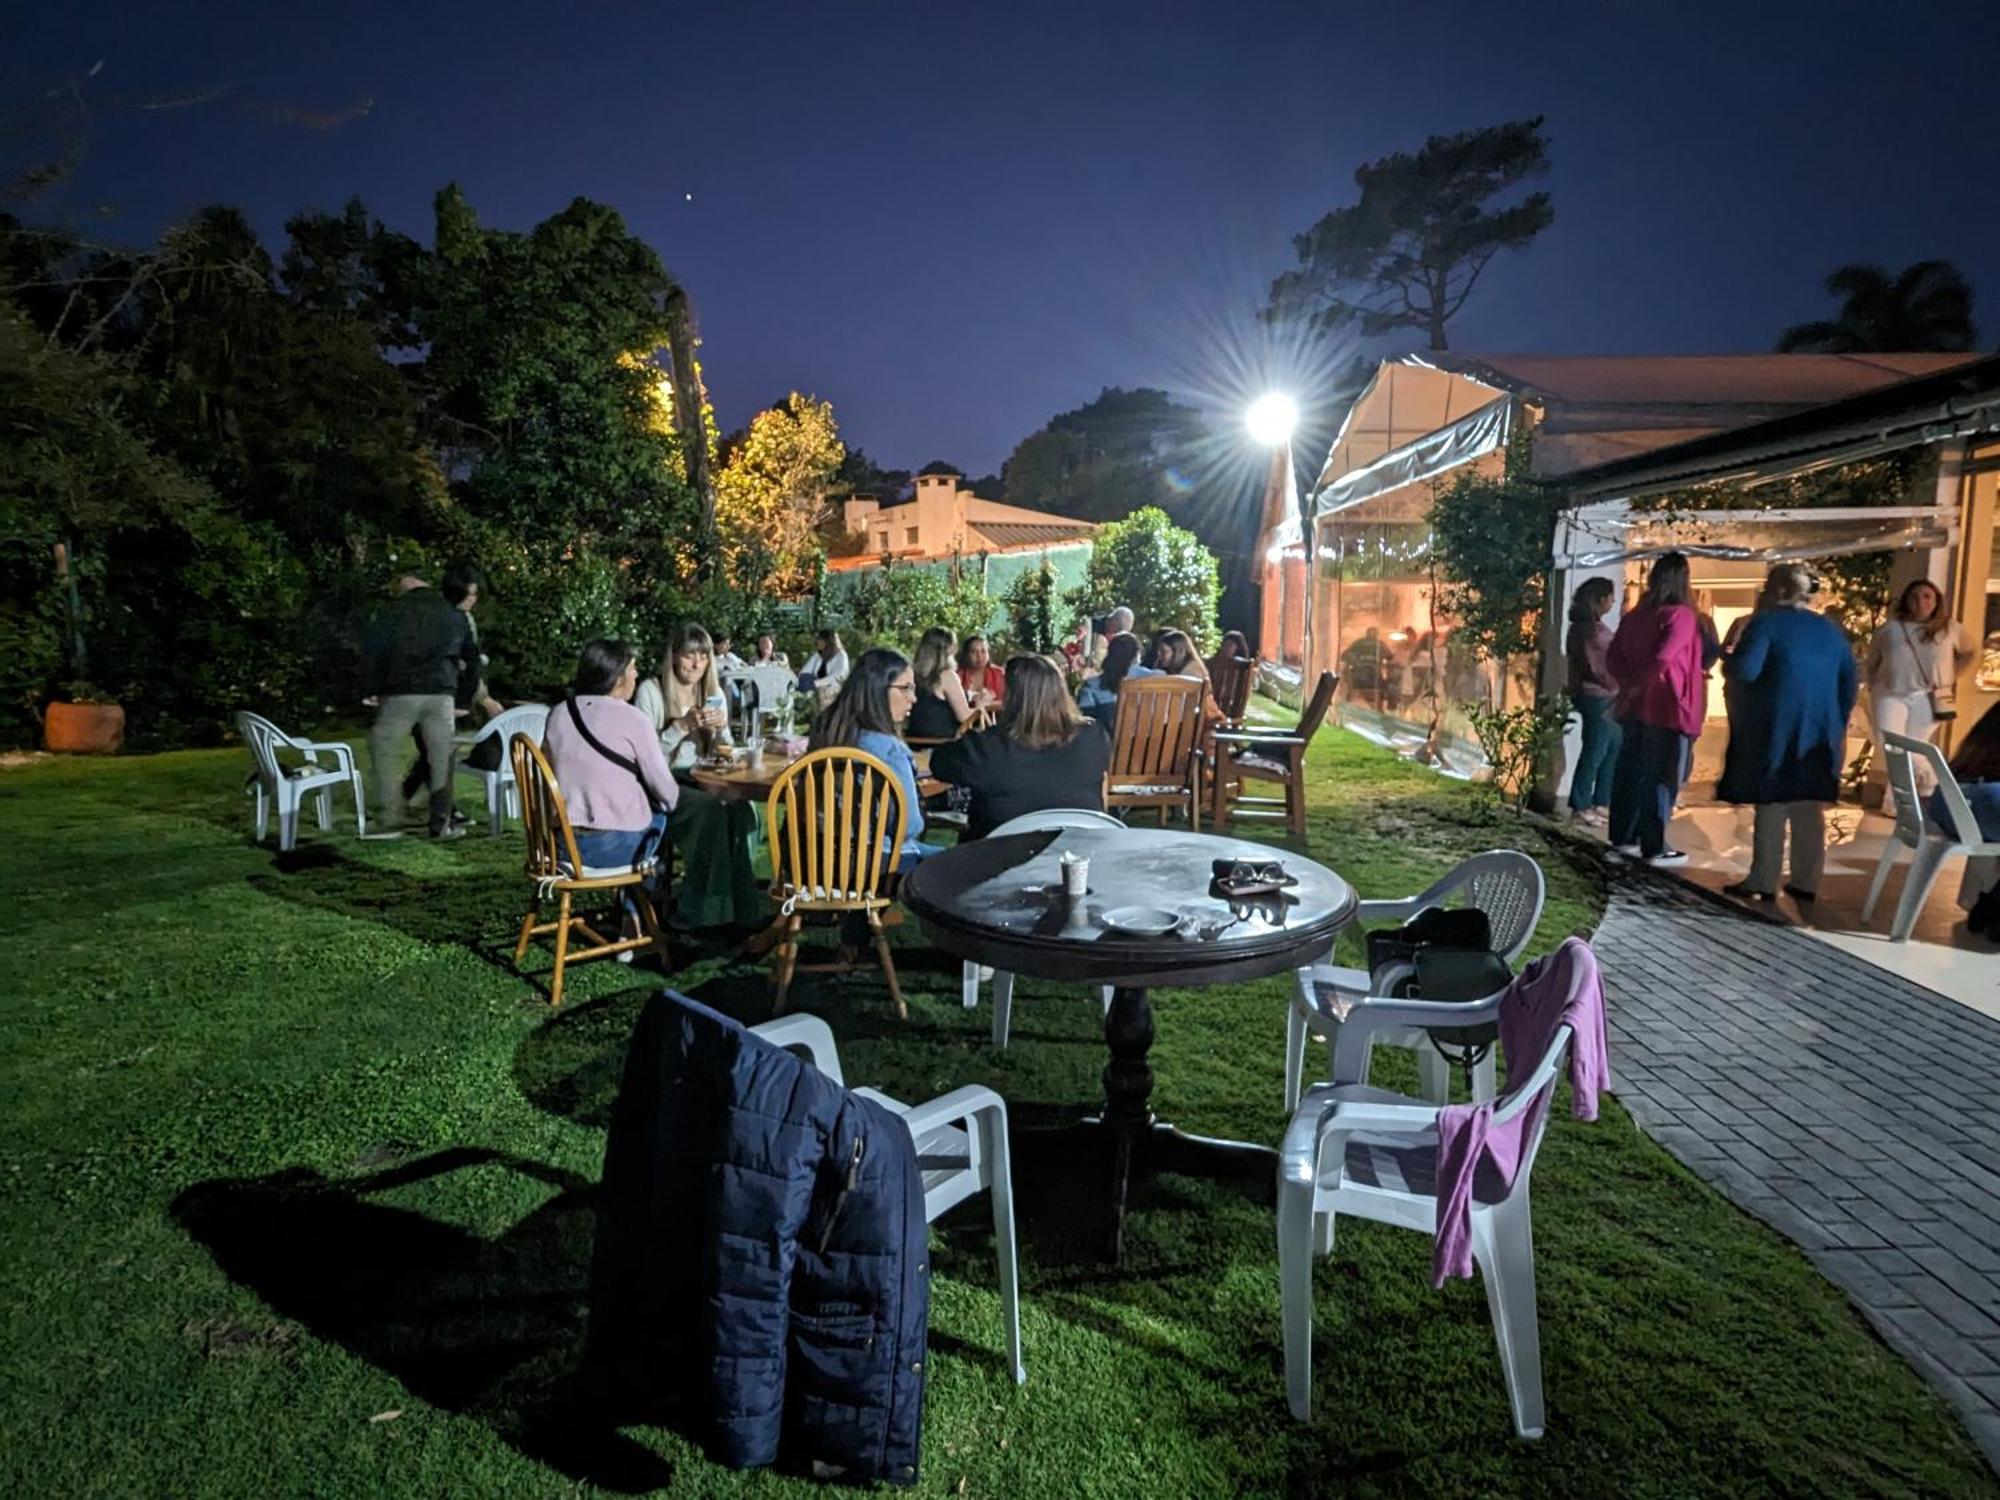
column 942, row 708
column 684, row 699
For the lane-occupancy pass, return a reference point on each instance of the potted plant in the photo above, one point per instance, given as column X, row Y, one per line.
column 83, row 721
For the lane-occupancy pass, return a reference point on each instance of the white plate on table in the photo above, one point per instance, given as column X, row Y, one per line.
column 1142, row 921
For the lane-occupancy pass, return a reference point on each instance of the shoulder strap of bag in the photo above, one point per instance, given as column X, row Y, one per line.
column 625, row 762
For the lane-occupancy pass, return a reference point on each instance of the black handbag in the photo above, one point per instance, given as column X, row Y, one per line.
column 1445, row 955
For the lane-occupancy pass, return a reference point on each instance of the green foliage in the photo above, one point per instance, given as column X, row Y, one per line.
column 1928, row 305
column 895, row 606
column 1494, row 540
column 1035, row 613
column 1159, row 570
column 1409, row 253
column 1108, row 458
column 1516, row 743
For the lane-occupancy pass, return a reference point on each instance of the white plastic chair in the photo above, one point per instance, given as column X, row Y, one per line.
column 1503, row 883
column 961, row 1140
column 503, row 794
column 1372, row 1153
column 1003, row 982
column 1929, row 844
column 287, row 787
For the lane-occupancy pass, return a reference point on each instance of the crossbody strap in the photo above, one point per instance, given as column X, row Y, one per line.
column 624, row 762
column 1923, row 667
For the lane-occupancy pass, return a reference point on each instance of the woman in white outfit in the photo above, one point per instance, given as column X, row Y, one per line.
column 1913, row 665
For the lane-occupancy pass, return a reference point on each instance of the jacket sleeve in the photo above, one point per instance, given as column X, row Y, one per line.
column 1747, row 663
column 467, row 650
column 1850, row 682
column 374, row 644
column 953, row 760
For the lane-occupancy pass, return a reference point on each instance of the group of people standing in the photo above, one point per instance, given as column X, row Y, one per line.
column 1790, row 683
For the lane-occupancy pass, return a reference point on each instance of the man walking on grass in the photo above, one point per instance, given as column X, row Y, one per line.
column 413, row 656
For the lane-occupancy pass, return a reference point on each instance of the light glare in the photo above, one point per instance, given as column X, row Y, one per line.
column 1272, row 418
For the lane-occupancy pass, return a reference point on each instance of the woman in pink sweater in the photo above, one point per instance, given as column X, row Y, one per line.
column 1658, row 658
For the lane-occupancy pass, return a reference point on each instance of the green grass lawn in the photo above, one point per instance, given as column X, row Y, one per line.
column 295, row 1178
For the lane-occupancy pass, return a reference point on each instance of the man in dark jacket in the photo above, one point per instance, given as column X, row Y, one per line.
column 762, row 1254
column 412, row 657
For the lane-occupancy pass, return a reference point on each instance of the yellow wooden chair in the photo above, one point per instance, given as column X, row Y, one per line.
column 558, row 870
column 837, row 819
column 1156, row 749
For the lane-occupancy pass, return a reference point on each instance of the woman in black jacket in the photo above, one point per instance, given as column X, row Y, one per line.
column 1042, row 754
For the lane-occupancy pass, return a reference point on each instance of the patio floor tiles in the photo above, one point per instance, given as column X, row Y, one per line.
column 1846, row 1107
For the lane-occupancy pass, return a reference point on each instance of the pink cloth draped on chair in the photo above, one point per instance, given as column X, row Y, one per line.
column 1562, row 989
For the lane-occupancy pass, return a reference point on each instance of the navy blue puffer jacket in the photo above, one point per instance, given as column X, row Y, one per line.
column 761, row 1252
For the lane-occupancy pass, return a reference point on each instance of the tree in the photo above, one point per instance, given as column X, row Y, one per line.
column 1034, row 607
column 1409, row 253
column 894, row 606
column 1106, row 458
column 1927, row 306
column 771, row 497
column 1158, row 570
column 1493, row 538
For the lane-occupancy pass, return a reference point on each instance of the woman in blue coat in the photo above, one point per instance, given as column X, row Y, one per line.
column 1795, row 683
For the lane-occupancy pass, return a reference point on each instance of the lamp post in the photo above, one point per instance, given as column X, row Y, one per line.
column 1271, row 419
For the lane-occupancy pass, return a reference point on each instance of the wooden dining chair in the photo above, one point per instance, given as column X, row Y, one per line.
column 837, row 819
column 1232, row 695
column 558, row 870
column 1156, row 747
column 1243, row 754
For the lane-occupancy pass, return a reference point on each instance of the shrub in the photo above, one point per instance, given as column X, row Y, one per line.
column 1158, row 570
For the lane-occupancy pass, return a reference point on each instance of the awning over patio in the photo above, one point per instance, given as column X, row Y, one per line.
column 1603, row 536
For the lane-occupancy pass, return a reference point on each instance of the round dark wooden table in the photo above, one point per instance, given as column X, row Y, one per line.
column 999, row 901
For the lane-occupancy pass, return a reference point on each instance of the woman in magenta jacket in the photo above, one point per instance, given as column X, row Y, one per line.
column 1658, row 658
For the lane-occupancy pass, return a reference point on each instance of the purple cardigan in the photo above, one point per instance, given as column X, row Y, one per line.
column 1560, row 990
column 600, row 794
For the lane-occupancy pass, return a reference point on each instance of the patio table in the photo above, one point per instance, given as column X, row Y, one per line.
column 999, row 901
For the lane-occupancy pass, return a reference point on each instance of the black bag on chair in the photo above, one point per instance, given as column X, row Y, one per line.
column 1449, row 954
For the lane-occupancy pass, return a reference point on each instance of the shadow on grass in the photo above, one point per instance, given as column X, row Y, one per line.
column 480, row 910
column 490, row 1328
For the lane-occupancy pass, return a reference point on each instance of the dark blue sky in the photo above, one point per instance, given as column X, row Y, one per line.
column 954, row 221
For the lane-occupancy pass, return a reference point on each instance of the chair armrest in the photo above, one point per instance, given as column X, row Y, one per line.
column 1253, row 737
column 808, row 1034
column 966, row 1103
column 339, row 749
column 1375, row 1014
column 1389, row 911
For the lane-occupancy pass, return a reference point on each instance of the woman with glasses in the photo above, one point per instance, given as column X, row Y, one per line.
column 868, row 715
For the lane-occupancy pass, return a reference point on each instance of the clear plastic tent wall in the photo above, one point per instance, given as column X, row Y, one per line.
column 1602, row 536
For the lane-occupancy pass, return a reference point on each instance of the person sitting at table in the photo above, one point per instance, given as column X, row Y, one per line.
column 827, row 666
column 726, row 659
column 1099, row 695
column 984, row 683
column 1174, row 655
column 1223, row 668
column 767, row 652
column 1976, row 766
column 606, row 758
column 942, row 708
column 868, row 715
column 711, row 836
column 684, row 700
column 1043, row 753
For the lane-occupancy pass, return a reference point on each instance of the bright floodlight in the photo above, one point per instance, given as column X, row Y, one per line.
column 1272, row 419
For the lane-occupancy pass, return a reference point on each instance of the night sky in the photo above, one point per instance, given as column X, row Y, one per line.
column 954, row 221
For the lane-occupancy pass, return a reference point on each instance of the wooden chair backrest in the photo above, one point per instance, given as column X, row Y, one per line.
column 837, row 819
column 1317, row 706
column 544, row 815
column 1159, row 726
column 1238, row 678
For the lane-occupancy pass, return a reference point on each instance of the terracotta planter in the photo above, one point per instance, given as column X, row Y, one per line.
column 83, row 728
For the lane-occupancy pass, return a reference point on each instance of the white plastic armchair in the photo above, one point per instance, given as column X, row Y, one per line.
column 503, row 794
column 1929, row 844
column 287, row 786
column 1003, row 982
column 1504, row 883
column 1372, row 1154
column 961, row 1141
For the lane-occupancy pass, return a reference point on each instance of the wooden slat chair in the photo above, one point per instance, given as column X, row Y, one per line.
column 1234, row 698
column 558, row 870
column 1156, row 749
column 837, row 820
column 1265, row 755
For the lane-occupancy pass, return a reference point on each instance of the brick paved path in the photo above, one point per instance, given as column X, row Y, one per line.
column 1851, row 1110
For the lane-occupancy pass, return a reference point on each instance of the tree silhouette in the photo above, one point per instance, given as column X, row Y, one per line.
column 1409, row 253
column 1927, row 307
